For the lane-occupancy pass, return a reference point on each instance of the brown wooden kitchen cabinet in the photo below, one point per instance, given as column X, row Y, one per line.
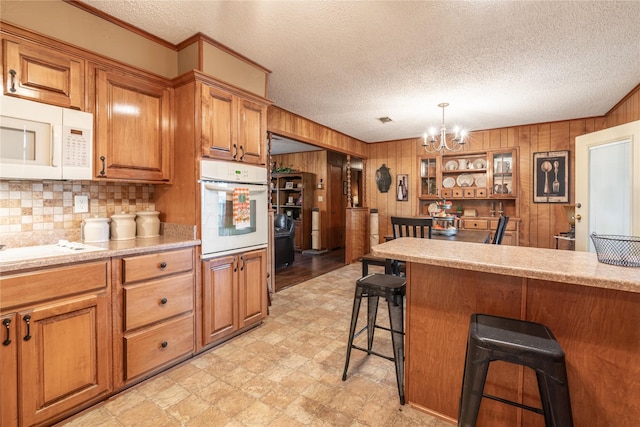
column 234, row 294
column 153, row 313
column 133, row 135
column 233, row 128
column 43, row 73
column 56, row 350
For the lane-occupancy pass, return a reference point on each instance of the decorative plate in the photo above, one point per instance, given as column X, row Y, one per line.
column 480, row 164
column 451, row 165
column 481, row 181
column 465, row 180
column 433, row 208
column 448, row 182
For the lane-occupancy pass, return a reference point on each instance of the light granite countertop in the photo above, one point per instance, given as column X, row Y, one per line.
column 579, row 268
column 113, row 248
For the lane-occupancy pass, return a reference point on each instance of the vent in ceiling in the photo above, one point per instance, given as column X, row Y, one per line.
column 384, row 120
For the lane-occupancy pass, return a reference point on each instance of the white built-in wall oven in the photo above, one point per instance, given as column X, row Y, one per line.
column 234, row 207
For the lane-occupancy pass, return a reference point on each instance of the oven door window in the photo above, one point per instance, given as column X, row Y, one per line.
column 228, row 222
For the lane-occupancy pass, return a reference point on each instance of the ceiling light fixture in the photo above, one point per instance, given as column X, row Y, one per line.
column 432, row 145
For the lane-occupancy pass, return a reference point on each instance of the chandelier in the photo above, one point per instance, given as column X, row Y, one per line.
column 456, row 140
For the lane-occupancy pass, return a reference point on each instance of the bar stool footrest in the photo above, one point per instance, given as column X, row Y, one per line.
column 374, row 352
column 512, row 403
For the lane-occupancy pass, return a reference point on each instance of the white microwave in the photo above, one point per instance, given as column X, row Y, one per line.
column 41, row 141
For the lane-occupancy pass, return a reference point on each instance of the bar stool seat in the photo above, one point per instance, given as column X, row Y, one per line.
column 520, row 342
column 393, row 289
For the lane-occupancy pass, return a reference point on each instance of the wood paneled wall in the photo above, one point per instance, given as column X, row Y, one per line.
column 292, row 126
column 540, row 221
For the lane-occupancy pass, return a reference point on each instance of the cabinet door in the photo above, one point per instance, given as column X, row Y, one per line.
column 65, row 351
column 8, row 371
column 43, row 74
column 251, row 132
column 133, row 132
column 219, row 124
column 252, row 296
column 219, row 298
column 503, row 174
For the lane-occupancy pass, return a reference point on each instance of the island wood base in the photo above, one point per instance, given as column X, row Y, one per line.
column 599, row 330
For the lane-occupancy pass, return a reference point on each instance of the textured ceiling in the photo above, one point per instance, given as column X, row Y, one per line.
column 345, row 63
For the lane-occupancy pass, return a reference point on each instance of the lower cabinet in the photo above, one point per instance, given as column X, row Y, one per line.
column 234, row 294
column 56, row 342
column 153, row 313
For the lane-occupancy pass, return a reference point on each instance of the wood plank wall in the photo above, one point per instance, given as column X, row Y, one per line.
column 540, row 221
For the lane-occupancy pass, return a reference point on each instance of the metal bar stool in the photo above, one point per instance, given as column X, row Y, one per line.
column 393, row 289
column 524, row 343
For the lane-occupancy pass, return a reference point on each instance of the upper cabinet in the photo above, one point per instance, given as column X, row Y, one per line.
column 233, row 128
column 43, row 74
column 133, row 138
column 503, row 174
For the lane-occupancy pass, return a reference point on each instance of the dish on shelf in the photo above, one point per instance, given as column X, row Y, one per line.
column 433, row 208
column 481, row 181
column 480, row 164
column 448, row 182
column 465, row 180
column 451, row 165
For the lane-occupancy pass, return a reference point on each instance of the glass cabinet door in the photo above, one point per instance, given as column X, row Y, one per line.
column 503, row 174
column 428, row 178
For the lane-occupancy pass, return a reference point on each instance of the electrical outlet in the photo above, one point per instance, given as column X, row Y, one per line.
column 80, row 204
column 320, row 199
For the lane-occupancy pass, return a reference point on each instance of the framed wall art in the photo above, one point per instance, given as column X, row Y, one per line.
column 403, row 188
column 551, row 177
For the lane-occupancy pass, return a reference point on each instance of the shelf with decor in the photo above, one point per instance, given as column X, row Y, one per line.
column 482, row 185
column 292, row 194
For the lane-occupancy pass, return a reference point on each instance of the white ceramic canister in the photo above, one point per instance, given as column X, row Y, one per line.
column 123, row 226
column 94, row 230
column 147, row 224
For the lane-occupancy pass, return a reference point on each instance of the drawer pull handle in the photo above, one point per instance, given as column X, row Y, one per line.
column 6, row 323
column 235, row 264
column 13, row 80
column 235, row 155
column 242, row 155
column 163, row 265
column 163, row 301
column 27, row 320
column 164, row 344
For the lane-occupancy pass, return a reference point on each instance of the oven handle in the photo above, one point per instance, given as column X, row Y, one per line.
column 255, row 190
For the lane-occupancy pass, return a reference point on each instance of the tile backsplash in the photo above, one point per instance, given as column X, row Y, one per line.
column 32, row 211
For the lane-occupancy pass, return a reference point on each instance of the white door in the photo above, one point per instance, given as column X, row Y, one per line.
column 607, row 183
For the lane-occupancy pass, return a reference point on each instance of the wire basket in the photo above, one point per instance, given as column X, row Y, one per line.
column 617, row 250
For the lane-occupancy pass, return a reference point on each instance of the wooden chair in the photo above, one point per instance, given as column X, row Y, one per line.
column 411, row 227
column 502, row 225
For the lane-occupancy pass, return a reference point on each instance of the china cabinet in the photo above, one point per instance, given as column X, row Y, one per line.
column 481, row 185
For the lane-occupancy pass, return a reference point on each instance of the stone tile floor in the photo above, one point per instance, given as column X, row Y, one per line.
column 287, row 372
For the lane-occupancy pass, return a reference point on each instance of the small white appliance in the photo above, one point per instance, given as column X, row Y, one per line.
column 41, row 141
column 234, row 207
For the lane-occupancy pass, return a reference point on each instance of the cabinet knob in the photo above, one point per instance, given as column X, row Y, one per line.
column 163, row 301
column 164, row 344
column 163, row 265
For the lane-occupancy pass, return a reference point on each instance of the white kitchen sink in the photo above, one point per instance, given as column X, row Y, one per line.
column 27, row 253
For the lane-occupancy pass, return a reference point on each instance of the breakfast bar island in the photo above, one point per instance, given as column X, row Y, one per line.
column 592, row 308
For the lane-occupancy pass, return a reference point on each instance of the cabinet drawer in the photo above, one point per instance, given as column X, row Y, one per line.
column 152, row 302
column 157, row 345
column 481, row 192
column 446, row 192
column 51, row 283
column 457, row 192
column 145, row 267
column 469, row 192
column 475, row 224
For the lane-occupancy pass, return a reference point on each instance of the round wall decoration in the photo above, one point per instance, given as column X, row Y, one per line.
column 383, row 178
